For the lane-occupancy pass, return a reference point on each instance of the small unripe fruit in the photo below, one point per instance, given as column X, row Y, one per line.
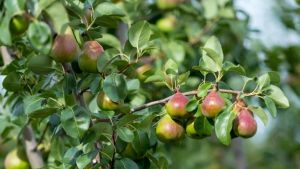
column 64, row 48
column 176, row 106
column 167, row 4
column 190, row 130
column 88, row 59
column 14, row 161
column 105, row 103
column 166, row 24
column 18, row 24
column 245, row 124
column 40, row 64
column 212, row 105
column 167, row 130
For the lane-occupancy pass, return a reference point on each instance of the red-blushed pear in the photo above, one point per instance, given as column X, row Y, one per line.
column 212, row 104
column 64, row 48
column 176, row 106
column 245, row 124
column 88, row 59
column 167, row 130
column 14, row 161
column 105, row 103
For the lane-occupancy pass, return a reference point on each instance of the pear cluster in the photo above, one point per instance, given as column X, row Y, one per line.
column 178, row 121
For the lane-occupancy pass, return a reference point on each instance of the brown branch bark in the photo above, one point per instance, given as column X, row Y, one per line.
column 34, row 156
column 165, row 100
column 5, row 55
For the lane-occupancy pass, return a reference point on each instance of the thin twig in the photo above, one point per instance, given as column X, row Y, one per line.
column 165, row 100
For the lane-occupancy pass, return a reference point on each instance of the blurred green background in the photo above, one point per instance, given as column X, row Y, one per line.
column 266, row 37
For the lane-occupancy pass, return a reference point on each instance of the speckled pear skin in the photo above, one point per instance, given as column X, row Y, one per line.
column 176, row 106
column 167, row 130
column 212, row 104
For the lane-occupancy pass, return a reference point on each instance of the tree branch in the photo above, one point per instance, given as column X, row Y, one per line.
column 34, row 156
column 5, row 55
column 165, row 100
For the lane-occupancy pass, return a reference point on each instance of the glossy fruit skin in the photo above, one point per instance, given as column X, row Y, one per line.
column 212, row 104
column 167, row 4
column 18, row 24
column 105, row 103
column 176, row 106
column 40, row 64
column 166, row 24
column 88, row 59
column 245, row 125
column 64, row 48
column 191, row 131
column 13, row 161
column 167, row 130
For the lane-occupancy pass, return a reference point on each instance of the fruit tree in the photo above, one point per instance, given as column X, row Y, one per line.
column 106, row 84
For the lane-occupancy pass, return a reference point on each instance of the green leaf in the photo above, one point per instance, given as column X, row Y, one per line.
column 37, row 106
column 13, row 82
column 5, row 36
column 141, row 142
column 192, row 105
column 133, row 84
column 139, row 34
column 271, row 106
column 15, row 6
column 263, row 81
column 210, row 8
column 203, row 126
column 171, row 67
column 278, row 97
column 274, row 77
column 85, row 159
column 230, row 67
column 110, row 40
column 125, row 163
column 125, row 134
column 127, row 119
column 58, row 16
column 108, row 56
column 175, row 51
column 155, row 78
column 115, row 87
column 260, row 113
column 182, row 78
column 203, row 89
column 39, row 35
column 223, row 125
column 212, row 53
column 108, row 9
column 75, row 121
